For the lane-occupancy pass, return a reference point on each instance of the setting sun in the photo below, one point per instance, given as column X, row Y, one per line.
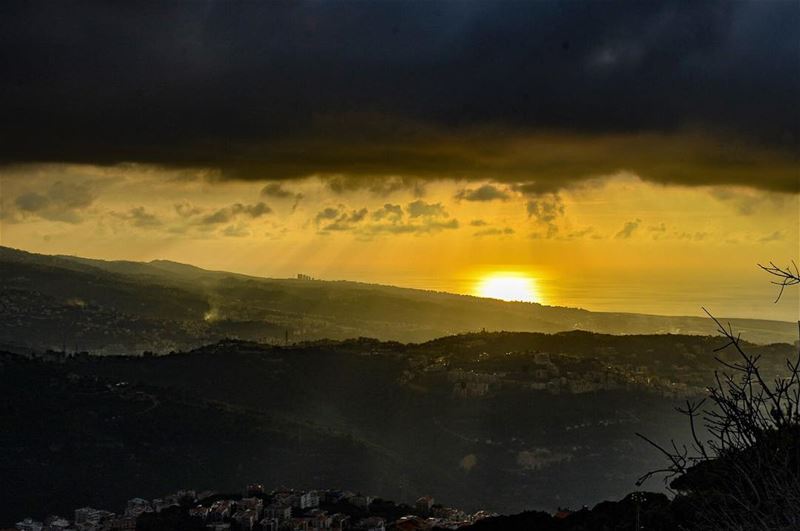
column 508, row 287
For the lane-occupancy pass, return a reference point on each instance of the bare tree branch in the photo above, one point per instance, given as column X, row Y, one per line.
column 746, row 476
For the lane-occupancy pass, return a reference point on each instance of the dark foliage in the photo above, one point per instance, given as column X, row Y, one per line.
column 742, row 470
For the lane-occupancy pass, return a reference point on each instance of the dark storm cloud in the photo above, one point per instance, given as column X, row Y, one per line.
column 383, row 186
column 140, row 217
column 62, row 201
column 389, row 212
column 32, row 202
column 546, row 208
column 628, row 229
column 346, row 221
column 381, row 95
column 328, row 213
column 187, row 210
column 229, row 213
column 487, row 192
column 417, row 218
column 420, row 208
column 276, row 190
column 494, row 231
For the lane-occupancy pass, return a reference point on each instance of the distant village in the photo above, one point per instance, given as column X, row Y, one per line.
column 258, row 510
column 553, row 373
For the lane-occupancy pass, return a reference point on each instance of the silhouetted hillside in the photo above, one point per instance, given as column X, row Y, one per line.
column 129, row 307
column 518, row 411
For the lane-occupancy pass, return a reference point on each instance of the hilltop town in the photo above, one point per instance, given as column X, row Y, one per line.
column 258, row 510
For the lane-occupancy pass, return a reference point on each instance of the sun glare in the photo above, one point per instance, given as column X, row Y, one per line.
column 508, row 287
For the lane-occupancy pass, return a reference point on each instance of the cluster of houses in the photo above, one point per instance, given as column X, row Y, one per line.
column 257, row 510
column 285, row 510
column 91, row 519
column 550, row 373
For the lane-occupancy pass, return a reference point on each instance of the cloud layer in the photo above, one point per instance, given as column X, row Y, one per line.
column 418, row 217
column 61, row 201
column 388, row 94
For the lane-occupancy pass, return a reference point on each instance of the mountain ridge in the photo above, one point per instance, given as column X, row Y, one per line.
column 174, row 306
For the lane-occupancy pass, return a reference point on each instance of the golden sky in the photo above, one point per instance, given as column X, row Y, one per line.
column 576, row 153
column 613, row 242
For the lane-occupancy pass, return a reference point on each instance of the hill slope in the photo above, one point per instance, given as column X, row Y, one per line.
column 125, row 307
column 399, row 420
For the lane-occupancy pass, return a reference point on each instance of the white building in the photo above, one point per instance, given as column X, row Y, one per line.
column 29, row 524
column 305, row 500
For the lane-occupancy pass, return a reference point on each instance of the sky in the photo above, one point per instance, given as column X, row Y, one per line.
column 622, row 156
